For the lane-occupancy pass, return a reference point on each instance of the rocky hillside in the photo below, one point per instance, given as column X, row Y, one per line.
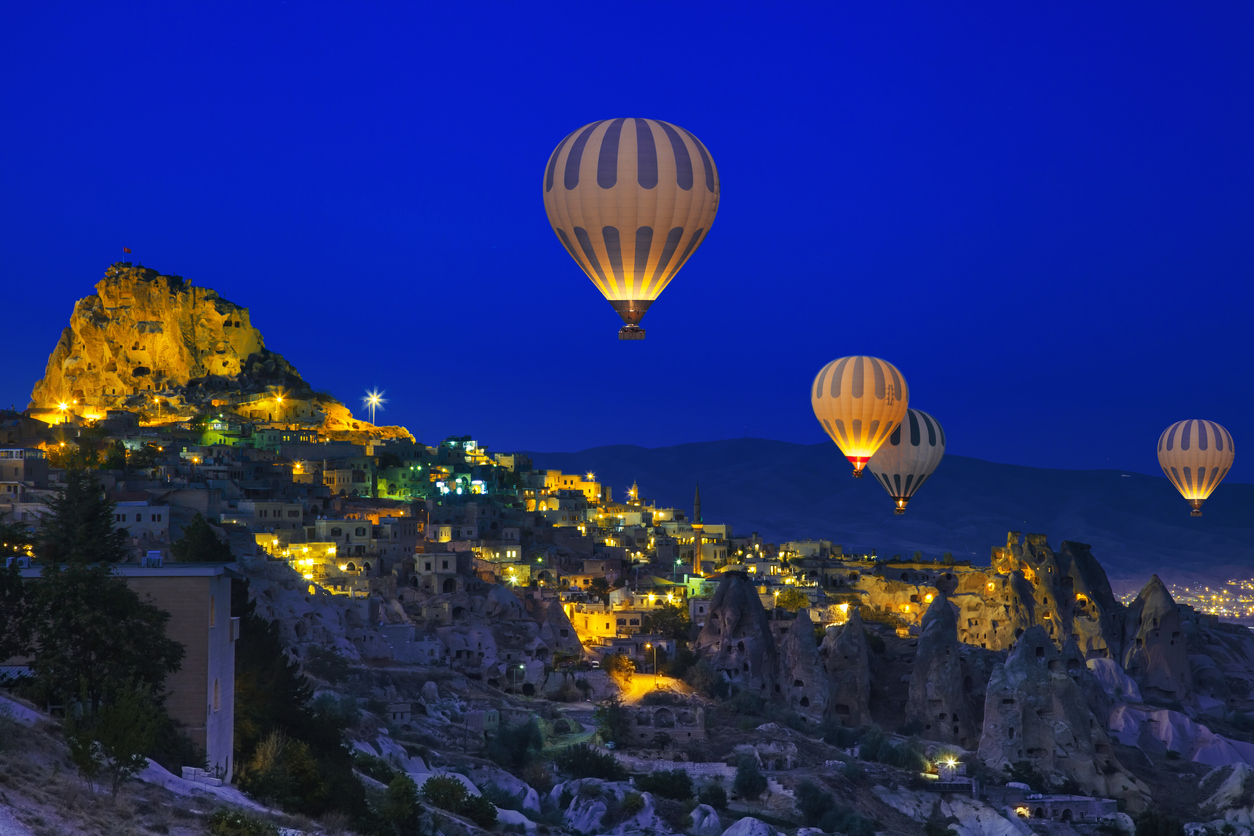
column 169, row 350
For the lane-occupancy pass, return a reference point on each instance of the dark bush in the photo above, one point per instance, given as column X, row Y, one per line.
column 813, row 802
column 374, row 767
column 715, row 796
column 583, row 761
column 238, row 823
column 674, row 783
column 1158, row 823
column 479, row 810
column 747, row 703
column 750, row 782
column 444, row 791
column 836, row 734
column 631, row 804
column 325, row 663
column 513, row 747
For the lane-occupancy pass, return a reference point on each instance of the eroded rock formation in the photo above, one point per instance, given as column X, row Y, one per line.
column 847, row 659
column 802, row 679
column 1035, row 710
column 166, row 349
column 1155, row 652
column 737, row 637
column 940, row 683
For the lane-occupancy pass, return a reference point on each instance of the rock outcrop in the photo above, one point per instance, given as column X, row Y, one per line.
column 1067, row 592
column 558, row 633
column 1155, row 652
column 939, row 682
column 168, row 350
column 847, row 659
column 737, row 637
column 1035, row 710
column 803, row 682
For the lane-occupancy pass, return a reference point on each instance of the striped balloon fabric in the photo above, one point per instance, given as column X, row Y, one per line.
column 859, row 401
column 631, row 200
column 909, row 457
column 1196, row 456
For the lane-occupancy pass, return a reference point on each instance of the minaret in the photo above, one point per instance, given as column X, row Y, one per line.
column 698, row 525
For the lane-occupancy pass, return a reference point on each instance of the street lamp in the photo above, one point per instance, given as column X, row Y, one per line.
column 513, row 670
column 648, row 645
column 373, row 401
column 677, row 565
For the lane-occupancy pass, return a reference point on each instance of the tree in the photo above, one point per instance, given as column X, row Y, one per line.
column 750, row 783
column 582, row 761
column 671, row 621
column 15, row 624
column 96, row 633
column 613, row 724
column 200, row 544
column 15, row 539
column 125, row 728
column 80, row 525
column 401, row 805
column 620, row 669
column 792, row 599
column 311, row 771
column 713, row 795
column 513, row 747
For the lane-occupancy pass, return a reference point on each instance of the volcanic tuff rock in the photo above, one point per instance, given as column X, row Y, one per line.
column 144, row 334
column 847, row 659
column 1155, row 653
column 1035, row 710
column 1067, row 590
column 737, row 636
column 802, row 678
column 940, row 683
column 558, row 633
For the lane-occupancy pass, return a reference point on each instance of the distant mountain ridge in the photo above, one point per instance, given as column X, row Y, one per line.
column 1136, row 524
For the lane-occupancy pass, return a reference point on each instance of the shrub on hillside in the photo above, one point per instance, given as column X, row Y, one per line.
column 374, row 767
column 750, row 782
column 513, row 747
column 450, row 794
column 674, row 783
column 715, row 796
column 583, row 761
column 238, row 823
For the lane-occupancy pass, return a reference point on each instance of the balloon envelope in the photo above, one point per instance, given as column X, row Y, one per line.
column 631, row 200
column 859, row 401
column 909, row 456
column 1196, row 456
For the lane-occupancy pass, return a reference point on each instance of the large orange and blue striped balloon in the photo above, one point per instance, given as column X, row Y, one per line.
column 1196, row 456
column 859, row 401
column 631, row 200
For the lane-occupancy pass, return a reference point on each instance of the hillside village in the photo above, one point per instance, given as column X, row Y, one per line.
column 455, row 596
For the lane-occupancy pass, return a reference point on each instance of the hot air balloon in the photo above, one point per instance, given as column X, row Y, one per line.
column 631, row 200
column 1195, row 455
column 907, row 459
column 859, row 401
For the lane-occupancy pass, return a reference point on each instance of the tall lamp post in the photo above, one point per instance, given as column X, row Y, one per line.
column 648, row 645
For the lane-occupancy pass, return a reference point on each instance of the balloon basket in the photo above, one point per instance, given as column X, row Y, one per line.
column 899, row 511
column 631, row 332
column 857, row 474
column 1197, row 507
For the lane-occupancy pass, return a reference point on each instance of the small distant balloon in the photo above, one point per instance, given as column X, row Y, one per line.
column 859, row 401
column 1195, row 455
column 909, row 457
column 631, row 200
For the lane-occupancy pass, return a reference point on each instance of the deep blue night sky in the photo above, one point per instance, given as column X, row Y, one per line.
column 1043, row 214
